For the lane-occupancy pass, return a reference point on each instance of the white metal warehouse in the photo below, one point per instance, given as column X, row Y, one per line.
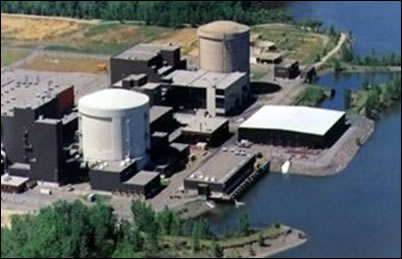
column 294, row 126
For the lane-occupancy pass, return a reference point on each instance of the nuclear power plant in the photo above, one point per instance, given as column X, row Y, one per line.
column 224, row 47
column 141, row 129
column 124, row 138
column 115, row 126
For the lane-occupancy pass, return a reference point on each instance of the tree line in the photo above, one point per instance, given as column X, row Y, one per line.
column 378, row 97
column 74, row 230
column 371, row 60
column 163, row 13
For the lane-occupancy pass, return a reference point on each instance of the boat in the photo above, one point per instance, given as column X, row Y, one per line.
column 210, row 204
column 286, row 167
column 239, row 204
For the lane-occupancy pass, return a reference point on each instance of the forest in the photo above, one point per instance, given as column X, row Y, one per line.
column 162, row 13
column 75, row 230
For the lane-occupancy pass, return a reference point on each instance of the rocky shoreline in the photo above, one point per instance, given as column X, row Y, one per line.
column 334, row 160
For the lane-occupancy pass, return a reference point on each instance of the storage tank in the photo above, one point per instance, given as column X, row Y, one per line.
column 114, row 126
column 224, row 47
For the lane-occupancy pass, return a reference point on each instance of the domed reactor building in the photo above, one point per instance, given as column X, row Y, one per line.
column 224, row 47
column 115, row 141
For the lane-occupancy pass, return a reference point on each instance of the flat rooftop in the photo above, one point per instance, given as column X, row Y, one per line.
column 158, row 112
column 287, row 63
column 135, row 77
column 204, row 79
column 13, row 181
column 222, row 166
column 83, row 84
column 268, row 55
column 29, row 93
column 200, row 124
column 145, row 52
column 180, row 147
column 114, row 166
column 299, row 119
column 142, row 178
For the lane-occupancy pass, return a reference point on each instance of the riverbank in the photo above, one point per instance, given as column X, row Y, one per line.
column 323, row 163
column 268, row 245
column 288, row 243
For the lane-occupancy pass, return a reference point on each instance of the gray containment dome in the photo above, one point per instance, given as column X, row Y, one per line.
column 224, row 47
column 114, row 125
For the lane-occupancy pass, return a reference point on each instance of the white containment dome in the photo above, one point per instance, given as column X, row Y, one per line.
column 114, row 126
column 224, row 47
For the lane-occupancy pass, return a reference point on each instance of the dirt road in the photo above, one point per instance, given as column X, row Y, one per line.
column 333, row 52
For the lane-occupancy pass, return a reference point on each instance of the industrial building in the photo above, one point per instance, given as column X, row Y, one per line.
column 114, row 126
column 38, row 126
column 155, row 61
column 144, row 183
column 221, row 86
column 220, row 176
column 264, row 52
column 218, row 93
column 124, row 138
column 202, row 129
column 115, row 137
column 15, row 184
column 224, row 47
column 267, row 58
column 294, row 126
column 156, row 92
column 288, row 69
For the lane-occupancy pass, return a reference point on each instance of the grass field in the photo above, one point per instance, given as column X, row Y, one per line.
column 10, row 56
column 186, row 38
column 26, row 29
column 55, row 63
column 312, row 96
column 296, row 43
column 95, row 38
column 109, row 38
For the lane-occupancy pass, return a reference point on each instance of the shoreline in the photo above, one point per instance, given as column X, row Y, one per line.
column 282, row 250
column 286, row 239
column 361, row 69
column 334, row 160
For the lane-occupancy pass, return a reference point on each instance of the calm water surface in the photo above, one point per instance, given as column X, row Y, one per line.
column 356, row 213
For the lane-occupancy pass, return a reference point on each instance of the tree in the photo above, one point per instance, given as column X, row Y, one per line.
column 124, row 250
column 372, row 105
column 144, row 216
column 332, row 31
column 348, row 55
column 165, row 13
column 337, row 66
column 165, row 220
column 62, row 231
column 348, row 99
column 366, row 85
column 196, row 238
column 244, row 225
column 261, row 239
column 217, row 251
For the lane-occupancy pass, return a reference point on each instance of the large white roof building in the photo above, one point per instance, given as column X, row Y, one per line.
column 294, row 126
column 298, row 119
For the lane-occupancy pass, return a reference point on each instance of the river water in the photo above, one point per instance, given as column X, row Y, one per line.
column 358, row 212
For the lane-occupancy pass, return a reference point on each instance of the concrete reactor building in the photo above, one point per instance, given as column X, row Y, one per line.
column 224, row 47
column 115, row 126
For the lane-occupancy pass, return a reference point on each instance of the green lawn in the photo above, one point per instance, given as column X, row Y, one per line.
column 297, row 43
column 99, row 39
column 312, row 96
column 10, row 56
